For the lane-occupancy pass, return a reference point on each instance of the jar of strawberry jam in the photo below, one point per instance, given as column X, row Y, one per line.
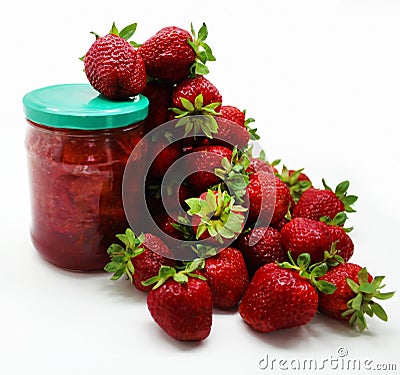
column 78, row 143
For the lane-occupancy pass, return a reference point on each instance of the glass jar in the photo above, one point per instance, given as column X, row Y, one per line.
column 78, row 143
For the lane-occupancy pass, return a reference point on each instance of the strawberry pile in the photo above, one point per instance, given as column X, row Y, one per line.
column 268, row 243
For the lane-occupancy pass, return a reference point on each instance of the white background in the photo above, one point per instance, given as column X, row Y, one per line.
column 322, row 79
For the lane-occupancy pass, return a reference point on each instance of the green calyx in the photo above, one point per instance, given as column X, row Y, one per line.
column 202, row 50
column 183, row 225
column 121, row 258
column 338, row 221
column 233, row 173
column 197, row 125
column 363, row 302
column 310, row 272
column 204, row 251
column 219, row 216
column 181, row 277
column 341, row 193
column 252, row 131
column 296, row 187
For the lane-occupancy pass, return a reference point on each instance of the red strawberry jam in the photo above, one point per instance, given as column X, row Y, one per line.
column 78, row 144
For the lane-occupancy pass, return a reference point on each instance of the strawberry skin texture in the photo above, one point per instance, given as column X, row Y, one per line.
column 302, row 235
column 258, row 165
column 260, row 246
column 227, row 277
column 344, row 245
column 269, row 198
column 315, row 203
column 335, row 304
column 233, row 114
column 192, row 87
column 114, row 68
column 278, row 298
column 148, row 263
column 206, row 158
column 183, row 311
column 160, row 96
column 167, row 54
column 230, row 134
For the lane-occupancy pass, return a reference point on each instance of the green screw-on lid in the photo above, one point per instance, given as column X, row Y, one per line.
column 79, row 106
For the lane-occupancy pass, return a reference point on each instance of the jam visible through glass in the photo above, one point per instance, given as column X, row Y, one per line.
column 76, row 192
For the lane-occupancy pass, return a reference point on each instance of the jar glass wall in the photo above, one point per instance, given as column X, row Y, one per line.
column 76, row 184
column 78, row 144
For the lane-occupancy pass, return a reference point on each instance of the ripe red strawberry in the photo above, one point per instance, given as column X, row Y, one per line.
column 215, row 216
column 297, row 181
column 316, row 203
column 344, row 244
column 201, row 163
column 227, row 277
column 159, row 94
column 183, row 311
column 302, row 235
column 355, row 290
column 140, row 260
column 172, row 54
column 168, row 225
column 268, row 198
column 278, row 298
column 195, row 103
column 229, row 134
column 166, row 154
column 190, row 89
column 260, row 165
column 233, row 114
column 113, row 66
column 280, row 224
column 260, row 246
column 181, row 303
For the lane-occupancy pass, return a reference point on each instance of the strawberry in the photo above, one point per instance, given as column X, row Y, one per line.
column 278, row 298
column 344, row 244
column 229, row 134
column 173, row 54
column 201, row 162
column 260, row 165
column 305, row 235
column 191, row 98
column 297, row 181
column 268, row 198
column 227, row 277
column 140, row 260
column 234, row 174
column 165, row 155
column 159, row 94
column 215, row 216
column 233, row 114
column 237, row 116
column 113, row 66
column 353, row 298
column 187, row 91
column 181, row 303
column 170, row 224
column 260, row 246
column 317, row 203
